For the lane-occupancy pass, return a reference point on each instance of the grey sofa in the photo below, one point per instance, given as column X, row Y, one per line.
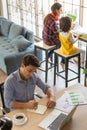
column 15, row 42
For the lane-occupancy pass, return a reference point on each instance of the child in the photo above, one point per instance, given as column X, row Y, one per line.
column 68, row 39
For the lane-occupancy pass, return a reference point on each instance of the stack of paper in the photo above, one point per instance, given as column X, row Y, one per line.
column 63, row 104
column 76, row 98
column 68, row 101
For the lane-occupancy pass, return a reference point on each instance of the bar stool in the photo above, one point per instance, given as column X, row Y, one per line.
column 57, row 54
column 46, row 48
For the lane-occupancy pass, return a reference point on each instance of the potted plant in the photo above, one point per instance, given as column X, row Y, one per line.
column 85, row 72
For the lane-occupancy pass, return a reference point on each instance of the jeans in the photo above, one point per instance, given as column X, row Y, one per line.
column 50, row 53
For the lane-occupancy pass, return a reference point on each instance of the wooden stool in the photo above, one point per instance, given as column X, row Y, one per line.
column 46, row 48
column 57, row 54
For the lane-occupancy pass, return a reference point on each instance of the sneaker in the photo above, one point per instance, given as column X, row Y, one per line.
column 62, row 65
column 75, row 61
column 49, row 60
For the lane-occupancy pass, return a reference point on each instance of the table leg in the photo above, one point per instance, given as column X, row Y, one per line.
column 85, row 66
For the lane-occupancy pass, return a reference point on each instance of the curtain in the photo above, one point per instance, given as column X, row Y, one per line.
column 1, row 8
column 29, row 13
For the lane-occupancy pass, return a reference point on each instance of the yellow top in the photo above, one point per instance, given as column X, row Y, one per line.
column 67, row 46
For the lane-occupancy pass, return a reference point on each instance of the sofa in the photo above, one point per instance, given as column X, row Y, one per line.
column 15, row 42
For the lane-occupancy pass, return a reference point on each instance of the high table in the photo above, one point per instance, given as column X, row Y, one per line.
column 84, row 40
column 78, row 122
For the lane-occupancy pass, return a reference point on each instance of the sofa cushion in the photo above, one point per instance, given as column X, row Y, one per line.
column 5, row 26
column 21, row 43
column 15, row 30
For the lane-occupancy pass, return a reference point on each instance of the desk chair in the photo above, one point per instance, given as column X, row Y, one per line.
column 3, row 108
column 57, row 54
column 46, row 48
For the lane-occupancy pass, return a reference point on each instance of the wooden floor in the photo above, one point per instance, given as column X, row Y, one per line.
column 60, row 83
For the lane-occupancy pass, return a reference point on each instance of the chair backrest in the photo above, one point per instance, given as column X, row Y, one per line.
column 4, row 109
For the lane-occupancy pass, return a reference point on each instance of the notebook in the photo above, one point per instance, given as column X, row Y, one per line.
column 40, row 110
column 56, row 120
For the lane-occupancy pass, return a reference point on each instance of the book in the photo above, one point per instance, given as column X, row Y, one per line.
column 73, row 17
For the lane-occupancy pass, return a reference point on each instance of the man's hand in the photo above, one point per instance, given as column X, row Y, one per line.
column 33, row 104
column 51, row 102
column 51, row 98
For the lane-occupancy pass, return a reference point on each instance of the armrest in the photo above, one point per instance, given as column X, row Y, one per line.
column 30, row 36
column 13, row 62
column 4, row 110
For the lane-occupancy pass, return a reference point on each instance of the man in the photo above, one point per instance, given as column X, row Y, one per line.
column 19, row 87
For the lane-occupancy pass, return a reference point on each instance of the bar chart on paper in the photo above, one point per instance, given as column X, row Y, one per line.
column 63, row 104
column 76, row 98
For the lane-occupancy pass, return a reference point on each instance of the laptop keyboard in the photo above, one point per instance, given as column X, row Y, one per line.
column 57, row 122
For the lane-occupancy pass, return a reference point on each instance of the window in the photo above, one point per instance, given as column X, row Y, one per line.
column 30, row 13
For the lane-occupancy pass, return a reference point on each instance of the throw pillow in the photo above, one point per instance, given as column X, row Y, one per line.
column 5, row 26
column 21, row 43
column 15, row 30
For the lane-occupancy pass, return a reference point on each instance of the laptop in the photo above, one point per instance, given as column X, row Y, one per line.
column 56, row 119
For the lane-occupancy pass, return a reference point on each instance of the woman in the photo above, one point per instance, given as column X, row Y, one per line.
column 51, row 29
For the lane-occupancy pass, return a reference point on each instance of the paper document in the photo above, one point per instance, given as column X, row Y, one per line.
column 79, row 30
column 40, row 110
column 76, row 98
column 63, row 104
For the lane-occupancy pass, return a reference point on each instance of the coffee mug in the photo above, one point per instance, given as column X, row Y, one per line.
column 19, row 117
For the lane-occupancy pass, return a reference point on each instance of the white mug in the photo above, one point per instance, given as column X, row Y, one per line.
column 19, row 117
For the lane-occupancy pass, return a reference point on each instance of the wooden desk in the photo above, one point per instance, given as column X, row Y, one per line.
column 78, row 122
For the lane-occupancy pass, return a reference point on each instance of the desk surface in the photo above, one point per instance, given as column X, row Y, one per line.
column 78, row 122
column 83, row 39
